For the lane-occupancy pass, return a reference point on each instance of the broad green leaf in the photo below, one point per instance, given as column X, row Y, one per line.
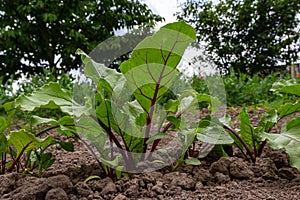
column 246, row 131
column 289, row 141
column 290, row 124
column 91, row 131
column 288, row 109
column 36, row 120
column 157, row 136
column 68, row 146
column 3, row 143
column 171, row 105
column 151, row 67
column 65, row 124
column 97, row 71
column 225, row 120
column 47, row 160
column 192, row 161
column 9, row 106
column 204, row 122
column 3, row 124
column 66, row 120
column 190, row 98
column 176, row 122
column 214, row 134
column 51, row 96
column 267, row 120
column 287, row 87
column 10, row 110
column 23, row 140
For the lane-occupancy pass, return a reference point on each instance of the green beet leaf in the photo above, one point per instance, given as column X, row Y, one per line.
column 157, row 136
column 24, row 141
column 97, row 71
column 51, row 96
column 288, row 140
column 214, row 134
column 3, row 124
column 64, row 125
column 267, row 120
column 287, row 87
column 192, row 161
column 152, row 65
column 3, row 143
column 289, row 108
column 36, row 120
column 247, row 132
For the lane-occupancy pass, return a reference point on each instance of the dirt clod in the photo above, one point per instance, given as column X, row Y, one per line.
column 56, row 194
column 60, row 181
column 239, row 169
column 83, row 189
column 288, row 173
column 222, row 166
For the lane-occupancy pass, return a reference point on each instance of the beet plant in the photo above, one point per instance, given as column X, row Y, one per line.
column 23, row 146
column 128, row 125
column 252, row 140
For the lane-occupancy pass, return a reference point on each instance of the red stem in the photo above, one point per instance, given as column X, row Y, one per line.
column 18, row 158
column 248, row 150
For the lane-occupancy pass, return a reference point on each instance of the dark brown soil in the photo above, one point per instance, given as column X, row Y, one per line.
column 216, row 178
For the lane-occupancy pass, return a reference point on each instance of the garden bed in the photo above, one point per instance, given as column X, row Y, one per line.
column 216, row 178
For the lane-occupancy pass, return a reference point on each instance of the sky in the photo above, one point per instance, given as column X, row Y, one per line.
column 165, row 8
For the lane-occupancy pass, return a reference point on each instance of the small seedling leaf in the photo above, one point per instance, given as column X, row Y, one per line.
column 192, row 161
column 68, row 146
column 91, row 178
column 157, row 136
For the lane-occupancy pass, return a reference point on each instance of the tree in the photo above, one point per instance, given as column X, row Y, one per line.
column 42, row 33
column 248, row 36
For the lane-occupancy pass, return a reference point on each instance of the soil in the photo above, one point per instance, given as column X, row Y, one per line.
column 270, row 177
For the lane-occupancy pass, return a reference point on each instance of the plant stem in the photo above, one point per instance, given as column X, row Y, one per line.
column 50, row 128
column 18, row 158
column 249, row 152
column 3, row 163
column 165, row 129
column 261, row 147
column 127, row 158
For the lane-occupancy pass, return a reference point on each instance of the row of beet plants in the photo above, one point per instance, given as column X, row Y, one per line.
column 120, row 120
